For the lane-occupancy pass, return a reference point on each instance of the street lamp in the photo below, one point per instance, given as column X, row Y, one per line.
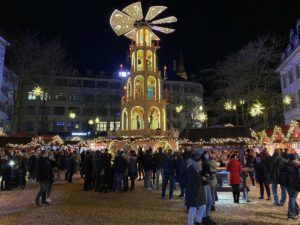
column 72, row 115
column 178, row 109
column 97, row 120
column 91, row 122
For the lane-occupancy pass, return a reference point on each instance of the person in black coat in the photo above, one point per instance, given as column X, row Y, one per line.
column 42, row 176
column 31, row 165
column 52, row 165
column 159, row 158
column 105, row 171
column 71, row 167
column 88, row 171
column 195, row 194
column 5, row 172
column 261, row 173
column 276, row 164
column 119, row 168
column 169, row 174
column 148, row 167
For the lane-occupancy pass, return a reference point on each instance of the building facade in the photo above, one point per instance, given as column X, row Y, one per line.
column 289, row 71
column 93, row 104
column 6, row 102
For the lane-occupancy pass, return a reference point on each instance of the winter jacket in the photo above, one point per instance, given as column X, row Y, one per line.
column 120, row 164
column 277, row 163
column 169, row 165
column 31, row 163
column 148, row 162
column 159, row 158
column 234, row 168
column 42, row 169
column 195, row 194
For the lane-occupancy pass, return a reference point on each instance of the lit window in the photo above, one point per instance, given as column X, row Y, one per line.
column 102, row 126
column 31, row 96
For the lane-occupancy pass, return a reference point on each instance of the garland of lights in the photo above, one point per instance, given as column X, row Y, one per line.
column 293, row 126
column 277, row 130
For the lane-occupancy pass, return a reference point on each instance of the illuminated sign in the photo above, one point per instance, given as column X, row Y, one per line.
column 124, row 73
column 79, row 134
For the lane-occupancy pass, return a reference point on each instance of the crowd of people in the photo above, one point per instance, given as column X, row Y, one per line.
column 194, row 172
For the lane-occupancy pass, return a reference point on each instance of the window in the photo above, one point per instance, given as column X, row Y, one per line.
column 102, row 84
column 29, row 126
column 74, row 98
column 75, row 83
column 102, row 126
column 111, row 126
column 88, row 83
column 291, row 77
column 59, row 111
column 60, row 97
column 115, row 85
column 30, row 110
column 117, row 125
column 58, row 126
column 61, row 82
column 31, row 96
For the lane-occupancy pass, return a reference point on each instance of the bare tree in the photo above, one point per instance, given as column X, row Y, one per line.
column 31, row 57
column 250, row 75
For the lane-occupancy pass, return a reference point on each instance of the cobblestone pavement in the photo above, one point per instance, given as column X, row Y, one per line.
column 71, row 205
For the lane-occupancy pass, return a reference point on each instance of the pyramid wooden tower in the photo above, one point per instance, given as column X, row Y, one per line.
column 143, row 110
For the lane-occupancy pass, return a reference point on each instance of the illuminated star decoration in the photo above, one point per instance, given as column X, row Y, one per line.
column 37, row 91
column 287, row 100
column 257, row 109
column 202, row 117
column 228, row 105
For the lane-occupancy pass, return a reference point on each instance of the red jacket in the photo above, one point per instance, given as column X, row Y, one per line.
column 234, row 167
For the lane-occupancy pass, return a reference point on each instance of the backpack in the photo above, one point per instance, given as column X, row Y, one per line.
column 284, row 175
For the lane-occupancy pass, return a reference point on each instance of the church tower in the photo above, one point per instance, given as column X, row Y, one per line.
column 143, row 111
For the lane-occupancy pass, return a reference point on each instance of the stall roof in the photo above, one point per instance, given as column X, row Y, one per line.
column 206, row 134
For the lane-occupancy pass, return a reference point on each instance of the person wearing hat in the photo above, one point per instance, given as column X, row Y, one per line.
column 42, row 176
column 195, row 194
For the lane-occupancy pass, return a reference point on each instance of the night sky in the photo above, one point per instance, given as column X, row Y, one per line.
column 206, row 31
